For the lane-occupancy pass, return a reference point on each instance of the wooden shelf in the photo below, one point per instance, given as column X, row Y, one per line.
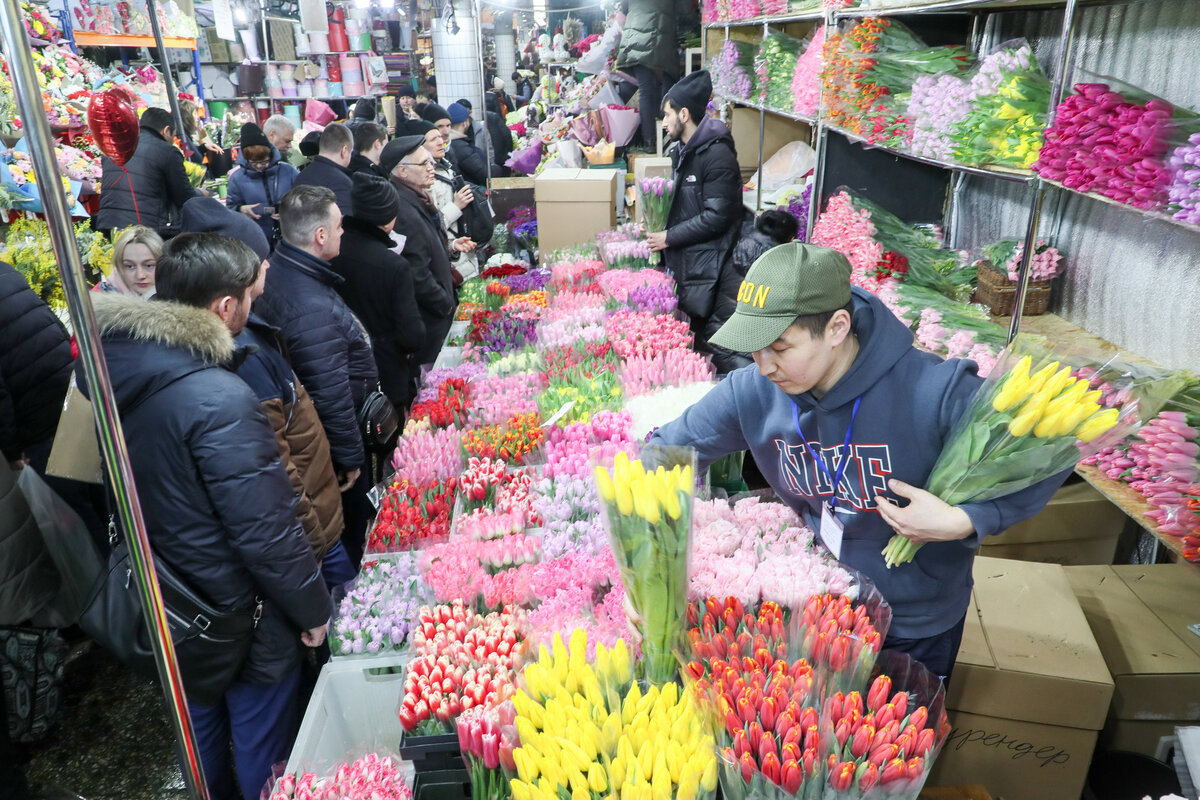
column 87, row 39
column 1132, row 503
column 1058, row 329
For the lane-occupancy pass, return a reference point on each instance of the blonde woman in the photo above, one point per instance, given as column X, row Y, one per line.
column 135, row 254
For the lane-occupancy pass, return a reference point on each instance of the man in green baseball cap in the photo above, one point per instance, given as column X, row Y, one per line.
column 843, row 415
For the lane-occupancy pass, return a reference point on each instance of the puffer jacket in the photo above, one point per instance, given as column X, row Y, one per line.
column 218, row 504
column 752, row 244
column 327, row 346
column 469, row 159
column 429, row 257
column 159, row 182
column 248, row 186
column 35, row 366
column 333, row 176
column 378, row 287
column 29, row 580
column 303, row 448
column 705, row 217
column 648, row 37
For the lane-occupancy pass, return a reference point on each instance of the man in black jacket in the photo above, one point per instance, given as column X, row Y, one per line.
column 219, row 507
column 467, row 158
column 410, row 169
column 155, row 186
column 327, row 345
column 706, row 208
column 378, row 286
column 331, row 167
column 369, row 139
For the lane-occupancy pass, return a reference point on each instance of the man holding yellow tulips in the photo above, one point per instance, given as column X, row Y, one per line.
column 846, row 418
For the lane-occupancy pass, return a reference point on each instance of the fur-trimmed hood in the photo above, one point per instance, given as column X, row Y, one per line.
column 149, row 344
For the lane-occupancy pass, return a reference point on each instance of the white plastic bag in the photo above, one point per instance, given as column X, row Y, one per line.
column 67, row 538
column 787, row 167
column 570, row 153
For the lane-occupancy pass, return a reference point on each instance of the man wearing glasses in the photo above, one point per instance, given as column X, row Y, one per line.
column 409, row 167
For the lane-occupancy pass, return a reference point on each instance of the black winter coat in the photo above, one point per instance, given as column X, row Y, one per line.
column 469, row 160
column 752, row 244
column 429, row 257
column 327, row 345
column 705, row 217
column 159, row 183
column 35, row 366
column 218, row 504
column 378, row 287
column 331, row 175
column 360, row 163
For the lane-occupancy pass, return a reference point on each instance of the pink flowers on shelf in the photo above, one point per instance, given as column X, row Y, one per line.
column 637, row 333
column 848, row 229
column 484, row 524
column 806, row 82
column 497, row 398
column 1184, row 192
column 425, row 456
column 369, row 777
column 643, row 374
column 618, row 283
column 571, row 450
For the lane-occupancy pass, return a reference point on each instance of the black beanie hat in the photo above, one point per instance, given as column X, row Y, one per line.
column 432, row 112
column 417, row 127
column 395, row 151
column 692, row 92
column 252, row 135
column 310, row 145
column 364, row 109
column 405, row 91
column 209, row 215
column 375, row 199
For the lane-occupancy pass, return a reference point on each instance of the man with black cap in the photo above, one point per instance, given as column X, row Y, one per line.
column 331, row 167
column 843, row 415
column 378, row 286
column 466, row 157
column 439, row 118
column 310, row 145
column 449, row 193
column 410, row 169
column 364, row 111
column 706, row 208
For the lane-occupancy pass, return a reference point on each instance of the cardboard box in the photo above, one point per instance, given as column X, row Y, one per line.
column 1030, row 690
column 506, row 194
column 573, row 205
column 777, row 131
column 1140, row 616
column 1078, row 526
column 218, row 47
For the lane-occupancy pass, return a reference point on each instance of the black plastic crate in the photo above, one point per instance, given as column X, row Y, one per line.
column 439, row 752
column 446, row 784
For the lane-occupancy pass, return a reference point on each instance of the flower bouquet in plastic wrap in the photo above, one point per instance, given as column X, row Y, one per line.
column 841, row 635
column 1034, row 417
column 774, row 68
column 1010, row 97
column 648, row 512
column 806, row 78
column 657, row 194
column 850, row 91
column 732, row 69
column 881, row 742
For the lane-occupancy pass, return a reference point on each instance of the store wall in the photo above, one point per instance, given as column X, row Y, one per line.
column 456, row 59
column 1133, row 280
column 506, row 51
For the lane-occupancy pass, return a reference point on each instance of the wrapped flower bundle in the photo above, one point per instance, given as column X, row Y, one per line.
column 1006, row 256
column 1113, row 143
column 512, row 441
column 653, row 299
column 1009, row 103
column 573, row 273
column 618, row 283
column 1183, row 195
column 377, row 609
column 850, row 93
column 427, row 456
column 936, row 103
column 848, row 229
column 630, row 254
column 648, row 514
column 571, row 449
column 732, row 69
column 775, row 69
column 806, row 80
column 644, row 374
column 369, row 777
column 578, row 362
column 448, row 408
column 577, row 393
column 842, row 639
column 483, row 739
column 411, row 515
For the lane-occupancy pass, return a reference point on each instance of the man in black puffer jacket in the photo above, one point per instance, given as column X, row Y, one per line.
column 35, row 369
column 326, row 344
column 218, row 504
column 160, row 184
column 378, row 286
column 706, row 208
column 410, row 169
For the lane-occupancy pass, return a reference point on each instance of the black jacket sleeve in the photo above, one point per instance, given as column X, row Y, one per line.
column 320, row 355
column 721, row 203
column 472, row 165
column 8, row 423
column 430, row 295
column 237, row 458
column 178, row 187
column 409, row 330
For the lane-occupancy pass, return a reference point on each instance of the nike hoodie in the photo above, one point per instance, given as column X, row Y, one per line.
column 910, row 402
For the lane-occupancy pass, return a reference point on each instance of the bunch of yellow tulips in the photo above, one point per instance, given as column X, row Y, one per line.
column 1052, row 403
column 650, row 495
column 589, row 731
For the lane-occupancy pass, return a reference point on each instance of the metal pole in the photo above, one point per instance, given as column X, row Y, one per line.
column 483, row 90
column 1066, row 38
column 108, row 423
column 168, row 79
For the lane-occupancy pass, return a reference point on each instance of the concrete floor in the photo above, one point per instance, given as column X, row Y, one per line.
column 112, row 740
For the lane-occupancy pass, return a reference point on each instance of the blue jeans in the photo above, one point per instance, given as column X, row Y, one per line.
column 937, row 653
column 336, row 567
column 261, row 720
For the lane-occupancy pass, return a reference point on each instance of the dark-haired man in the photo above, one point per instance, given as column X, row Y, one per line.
column 842, row 415
column 154, row 174
column 218, row 504
column 706, row 208
column 331, row 167
column 369, row 139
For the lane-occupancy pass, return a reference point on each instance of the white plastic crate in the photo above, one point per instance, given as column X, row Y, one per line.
column 352, row 712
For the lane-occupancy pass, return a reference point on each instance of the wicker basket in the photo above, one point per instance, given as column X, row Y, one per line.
column 1000, row 294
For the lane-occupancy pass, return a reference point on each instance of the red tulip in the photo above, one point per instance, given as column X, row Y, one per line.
column 886, row 734
column 808, row 718
column 770, row 767
column 900, row 704
column 792, row 775
column 883, row 753
column 885, row 715
column 861, row 741
column 839, row 653
column 841, row 777
column 768, row 712
column 867, row 776
column 835, row 707
column 924, row 742
column 811, row 737
column 766, row 747
column 746, row 762
column 754, row 734
column 741, row 744
column 894, row 770
column 915, row 767
column 789, row 750
column 854, row 702
column 746, row 711
column 919, row 717
column 810, row 761
column 841, row 732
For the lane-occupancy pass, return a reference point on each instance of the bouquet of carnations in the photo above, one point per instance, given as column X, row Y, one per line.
column 1033, row 418
column 649, row 517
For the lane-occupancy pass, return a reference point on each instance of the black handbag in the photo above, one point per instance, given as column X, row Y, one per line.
column 378, row 422
column 210, row 643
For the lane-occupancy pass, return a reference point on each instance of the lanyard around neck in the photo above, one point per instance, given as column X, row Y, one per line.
column 836, row 480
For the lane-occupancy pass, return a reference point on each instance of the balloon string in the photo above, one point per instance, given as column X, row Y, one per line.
column 129, row 178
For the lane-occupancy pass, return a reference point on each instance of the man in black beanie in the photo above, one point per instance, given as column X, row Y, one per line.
column 439, row 118
column 378, row 286
column 706, row 208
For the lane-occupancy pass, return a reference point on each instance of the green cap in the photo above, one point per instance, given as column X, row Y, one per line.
column 786, row 282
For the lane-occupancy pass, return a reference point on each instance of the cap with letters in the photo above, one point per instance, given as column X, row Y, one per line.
column 786, row 282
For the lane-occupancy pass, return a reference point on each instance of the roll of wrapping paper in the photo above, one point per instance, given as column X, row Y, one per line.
column 321, row 88
column 335, row 88
column 389, row 111
column 351, row 77
column 354, row 88
column 337, row 31
column 318, row 42
column 334, row 68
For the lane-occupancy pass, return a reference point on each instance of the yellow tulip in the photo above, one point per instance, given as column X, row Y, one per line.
column 536, row 793
column 527, row 770
column 610, row 733
column 1057, row 382
column 580, row 794
column 650, row 510
column 520, row 789
column 1024, row 422
column 575, row 779
column 548, row 787
column 597, row 781
column 645, row 759
column 573, row 755
column 708, row 778
column 1041, row 376
column 624, row 498
column 621, row 465
column 661, row 780
column 668, row 695
column 1098, row 425
column 685, row 479
column 1051, row 424
column 622, row 666
column 675, row 760
column 603, row 661
column 526, row 730
column 604, row 484
column 1014, row 388
column 629, row 707
column 672, row 507
column 688, row 789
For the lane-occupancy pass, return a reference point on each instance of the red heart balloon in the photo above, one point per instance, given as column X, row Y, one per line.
column 114, row 125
